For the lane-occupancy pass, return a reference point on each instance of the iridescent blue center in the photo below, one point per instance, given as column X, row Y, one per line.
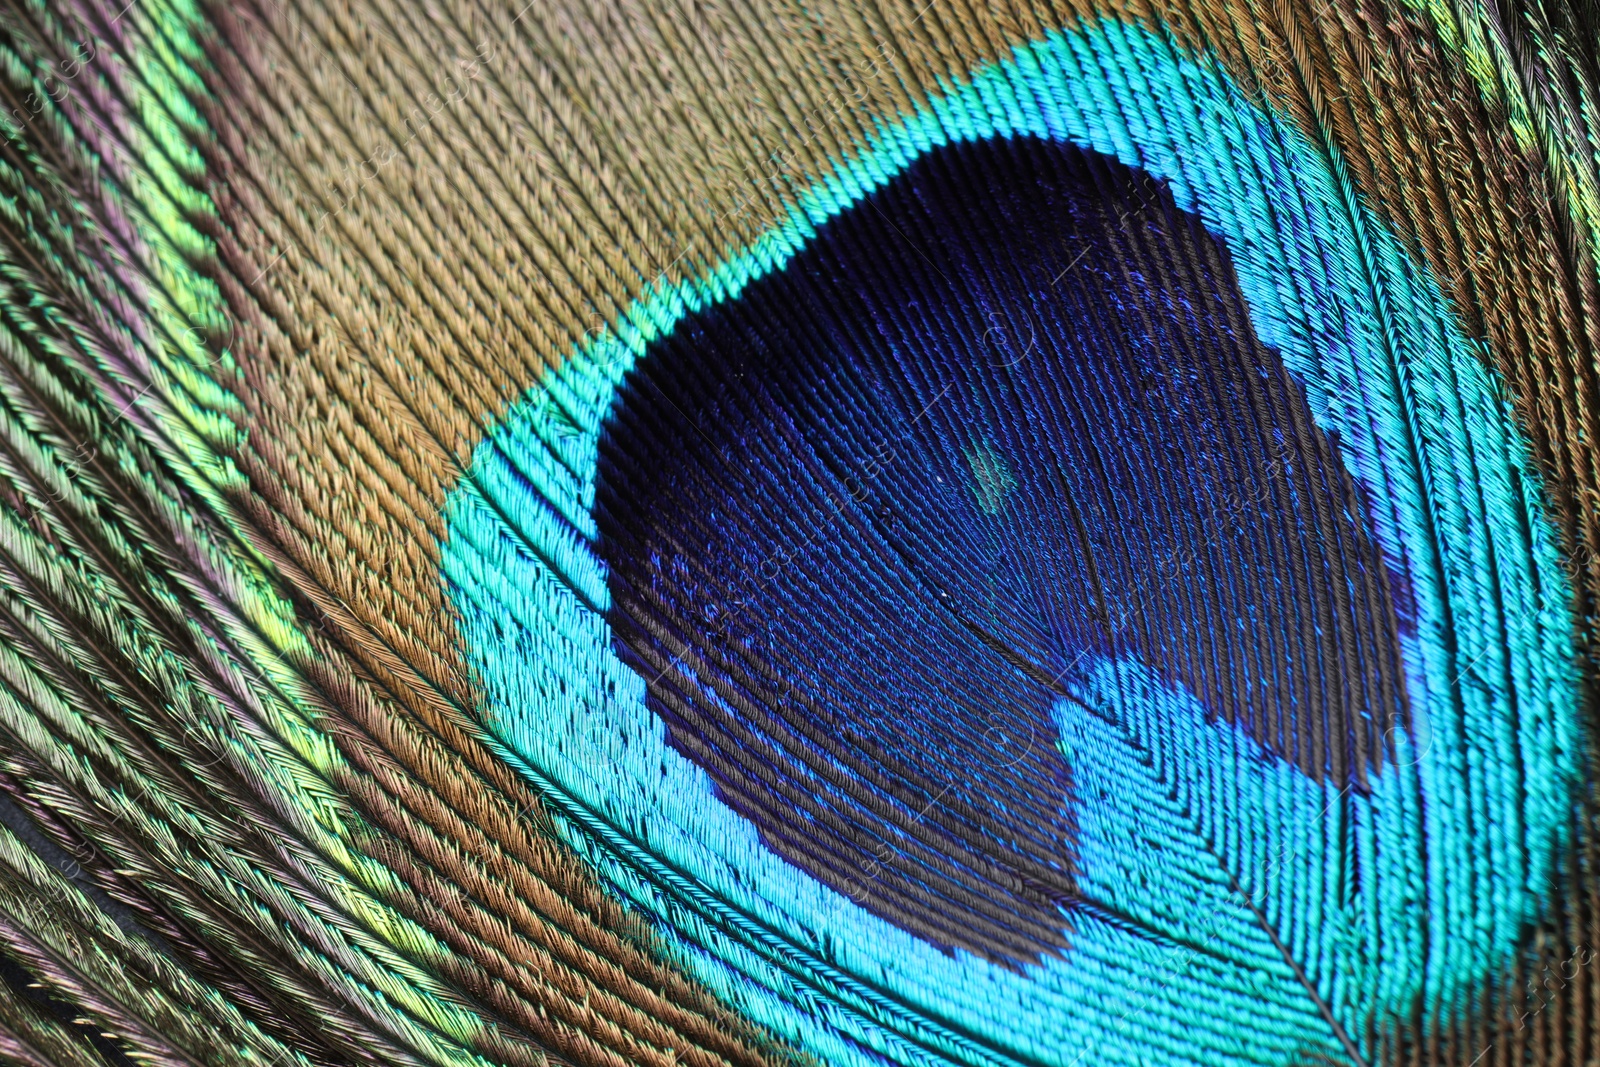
column 1002, row 419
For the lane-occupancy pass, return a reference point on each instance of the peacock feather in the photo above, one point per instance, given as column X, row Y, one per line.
column 767, row 533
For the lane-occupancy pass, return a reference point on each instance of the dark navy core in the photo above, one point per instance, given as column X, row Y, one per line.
column 866, row 523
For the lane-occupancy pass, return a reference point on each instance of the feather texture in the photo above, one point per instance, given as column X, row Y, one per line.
column 754, row 532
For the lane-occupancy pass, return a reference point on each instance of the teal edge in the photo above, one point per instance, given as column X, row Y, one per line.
column 1411, row 895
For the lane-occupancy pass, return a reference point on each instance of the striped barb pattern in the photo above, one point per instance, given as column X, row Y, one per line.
column 750, row 533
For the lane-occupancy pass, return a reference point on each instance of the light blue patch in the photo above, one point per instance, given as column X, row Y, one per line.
column 1454, row 849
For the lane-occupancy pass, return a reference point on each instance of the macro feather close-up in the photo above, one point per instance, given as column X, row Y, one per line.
column 800, row 533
